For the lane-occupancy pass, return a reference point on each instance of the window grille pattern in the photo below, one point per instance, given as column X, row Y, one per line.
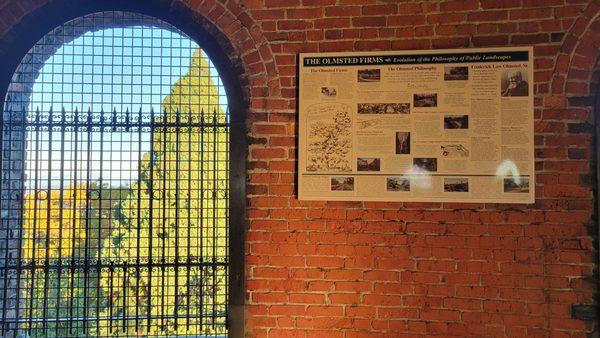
column 114, row 185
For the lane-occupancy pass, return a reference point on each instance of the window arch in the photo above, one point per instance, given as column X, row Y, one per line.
column 115, row 184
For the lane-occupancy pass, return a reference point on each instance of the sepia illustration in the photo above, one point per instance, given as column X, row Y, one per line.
column 330, row 139
column 366, row 124
column 454, row 150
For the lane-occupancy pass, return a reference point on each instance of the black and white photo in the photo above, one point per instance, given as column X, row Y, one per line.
column 453, row 73
column 456, row 184
column 456, row 122
column 398, row 184
column 342, row 183
column 425, row 100
column 402, row 142
column 425, row 163
column 368, row 164
column 369, row 75
column 514, row 83
column 516, row 185
column 329, row 91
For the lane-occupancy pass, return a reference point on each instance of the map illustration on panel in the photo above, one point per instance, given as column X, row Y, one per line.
column 329, row 138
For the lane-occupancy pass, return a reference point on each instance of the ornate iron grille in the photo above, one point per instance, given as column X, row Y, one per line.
column 114, row 185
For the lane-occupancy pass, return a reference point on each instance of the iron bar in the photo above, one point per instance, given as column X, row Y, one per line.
column 124, row 265
column 177, row 162
column 21, row 193
column 61, row 210
column 82, row 319
column 48, row 223
column 139, row 229
column 163, row 235
column 201, row 220
column 86, row 224
column 215, row 147
column 189, row 217
column 150, row 221
column 35, row 222
column 73, row 238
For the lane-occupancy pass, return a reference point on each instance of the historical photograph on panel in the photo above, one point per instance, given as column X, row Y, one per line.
column 514, row 82
column 330, row 92
column 456, row 73
column 342, row 183
column 425, row 163
column 425, row 100
column 398, row 184
column 456, row 122
column 369, row 75
column 402, row 142
column 329, row 138
column 383, row 108
column 456, row 184
column 454, row 150
column 368, row 164
column 516, row 185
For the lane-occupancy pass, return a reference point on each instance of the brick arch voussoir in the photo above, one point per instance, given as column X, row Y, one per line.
column 579, row 53
column 251, row 46
column 13, row 11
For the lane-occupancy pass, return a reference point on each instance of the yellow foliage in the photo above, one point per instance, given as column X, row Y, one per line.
column 54, row 225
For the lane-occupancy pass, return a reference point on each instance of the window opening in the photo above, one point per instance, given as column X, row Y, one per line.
column 114, row 184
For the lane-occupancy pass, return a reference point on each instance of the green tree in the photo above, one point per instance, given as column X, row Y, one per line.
column 176, row 210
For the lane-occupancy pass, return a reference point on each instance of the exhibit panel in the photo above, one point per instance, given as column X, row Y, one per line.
column 446, row 125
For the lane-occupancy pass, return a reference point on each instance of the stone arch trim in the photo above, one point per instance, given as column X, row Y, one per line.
column 579, row 53
column 18, row 92
column 230, row 23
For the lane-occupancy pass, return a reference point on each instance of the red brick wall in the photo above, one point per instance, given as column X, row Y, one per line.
column 347, row 269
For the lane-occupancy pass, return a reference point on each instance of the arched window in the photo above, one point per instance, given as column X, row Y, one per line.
column 115, row 184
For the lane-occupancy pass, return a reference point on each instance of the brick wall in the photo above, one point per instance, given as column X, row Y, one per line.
column 348, row 269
